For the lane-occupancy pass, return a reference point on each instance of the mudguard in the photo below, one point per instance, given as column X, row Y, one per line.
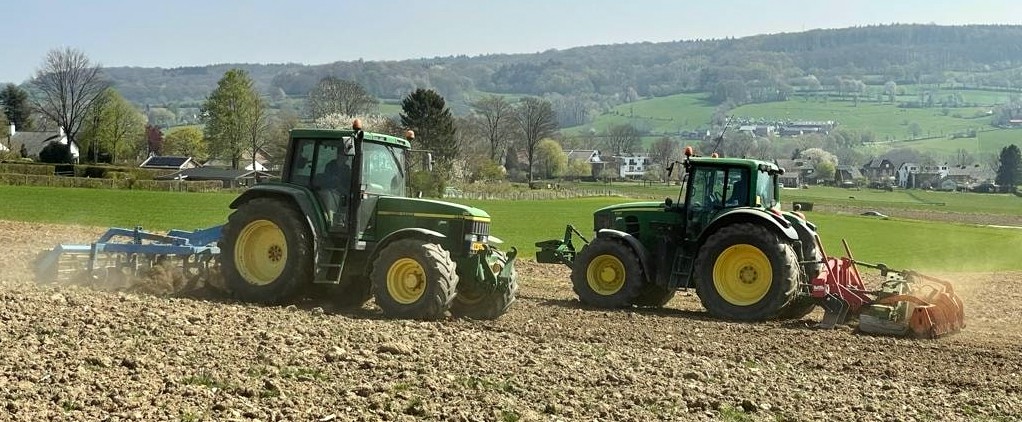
column 300, row 196
column 743, row 215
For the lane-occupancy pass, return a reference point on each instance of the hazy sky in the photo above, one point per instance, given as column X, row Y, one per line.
column 172, row 33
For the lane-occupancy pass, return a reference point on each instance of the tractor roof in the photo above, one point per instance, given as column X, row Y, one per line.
column 340, row 133
column 731, row 162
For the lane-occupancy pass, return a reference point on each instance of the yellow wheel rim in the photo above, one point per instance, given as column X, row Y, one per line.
column 742, row 275
column 261, row 252
column 606, row 275
column 406, row 281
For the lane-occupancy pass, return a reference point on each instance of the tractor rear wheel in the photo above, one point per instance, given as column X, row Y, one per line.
column 607, row 274
column 804, row 304
column 266, row 251
column 414, row 278
column 746, row 272
column 477, row 302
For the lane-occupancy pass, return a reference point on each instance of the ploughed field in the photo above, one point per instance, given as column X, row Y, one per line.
column 75, row 353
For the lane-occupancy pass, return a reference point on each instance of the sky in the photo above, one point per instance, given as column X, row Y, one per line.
column 174, row 33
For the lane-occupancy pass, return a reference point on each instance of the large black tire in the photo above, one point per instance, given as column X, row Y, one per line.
column 746, row 272
column 414, row 278
column 803, row 303
column 653, row 296
column 477, row 302
column 607, row 274
column 267, row 252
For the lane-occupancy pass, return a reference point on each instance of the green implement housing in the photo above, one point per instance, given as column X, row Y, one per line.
column 340, row 219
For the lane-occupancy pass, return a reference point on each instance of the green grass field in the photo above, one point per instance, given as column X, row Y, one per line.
column 886, row 121
column 984, row 144
column 922, row 245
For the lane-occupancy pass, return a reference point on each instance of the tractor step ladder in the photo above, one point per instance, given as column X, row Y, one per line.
column 332, row 257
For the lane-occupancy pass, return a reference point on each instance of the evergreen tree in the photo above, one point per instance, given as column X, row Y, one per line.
column 425, row 112
column 1009, row 169
column 14, row 102
column 231, row 113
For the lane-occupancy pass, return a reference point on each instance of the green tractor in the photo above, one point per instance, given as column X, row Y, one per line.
column 726, row 237
column 340, row 220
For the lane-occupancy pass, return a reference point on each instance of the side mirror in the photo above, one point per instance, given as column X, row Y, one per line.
column 349, row 146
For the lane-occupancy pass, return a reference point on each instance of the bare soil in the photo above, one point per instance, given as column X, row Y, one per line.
column 76, row 353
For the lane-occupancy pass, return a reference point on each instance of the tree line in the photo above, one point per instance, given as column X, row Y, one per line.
column 582, row 82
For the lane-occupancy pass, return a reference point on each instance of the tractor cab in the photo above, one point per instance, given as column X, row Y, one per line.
column 715, row 186
column 346, row 170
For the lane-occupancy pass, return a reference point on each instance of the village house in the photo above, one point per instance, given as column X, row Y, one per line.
column 879, row 170
column 589, row 156
column 846, row 176
column 632, row 165
column 31, row 143
column 797, row 172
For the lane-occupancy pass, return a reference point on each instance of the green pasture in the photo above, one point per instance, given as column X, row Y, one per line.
column 668, row 114
column 887, row 121
column 984, row 144
column 922, row 245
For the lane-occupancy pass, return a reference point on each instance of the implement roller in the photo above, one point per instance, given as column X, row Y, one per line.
column 120, row 254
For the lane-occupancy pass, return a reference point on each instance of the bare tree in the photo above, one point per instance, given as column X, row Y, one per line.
column 664, row 151
column 67, row 85
column 498, row 118
column 337, row 96
column 536, row 120
column 622, row 138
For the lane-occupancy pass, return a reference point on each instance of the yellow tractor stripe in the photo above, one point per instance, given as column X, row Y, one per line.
column 427, row 215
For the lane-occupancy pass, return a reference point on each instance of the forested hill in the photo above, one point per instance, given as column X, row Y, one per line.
column 980, row 55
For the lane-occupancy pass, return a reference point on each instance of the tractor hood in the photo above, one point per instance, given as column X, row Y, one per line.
column 428, row 208
column 633, row 206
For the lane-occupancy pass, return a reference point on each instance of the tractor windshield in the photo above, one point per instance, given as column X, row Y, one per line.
column 383, row 169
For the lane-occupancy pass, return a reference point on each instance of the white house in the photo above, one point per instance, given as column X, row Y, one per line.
column 632, row 164
column 31, row 143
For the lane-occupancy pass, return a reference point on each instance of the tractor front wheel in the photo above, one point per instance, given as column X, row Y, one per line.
column 746, row 272
column 607, row 274
column 266, row 251
column 478, row 302
column 414, row 278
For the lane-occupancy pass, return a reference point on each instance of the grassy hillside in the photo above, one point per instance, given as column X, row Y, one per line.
column 890, row 124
